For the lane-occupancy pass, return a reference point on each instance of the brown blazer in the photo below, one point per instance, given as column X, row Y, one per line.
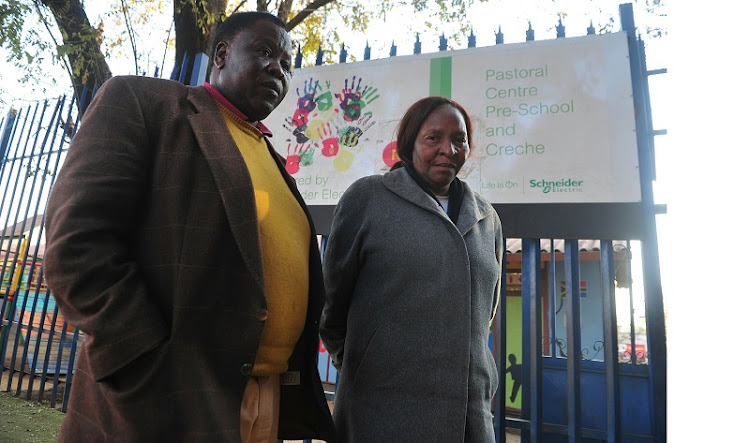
column 153, row 251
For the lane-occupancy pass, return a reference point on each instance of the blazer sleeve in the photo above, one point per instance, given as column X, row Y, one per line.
column 90, row 219
column 340, row 270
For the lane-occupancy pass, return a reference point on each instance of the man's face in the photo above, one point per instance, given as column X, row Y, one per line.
column 253, row 69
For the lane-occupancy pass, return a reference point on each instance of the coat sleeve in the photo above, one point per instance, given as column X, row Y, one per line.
column 91, row 215
column 500, row 254
column 340, row 270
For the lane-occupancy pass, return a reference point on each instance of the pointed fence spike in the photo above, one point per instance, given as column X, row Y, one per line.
column 367, row 51
column 443, row 43
column 499, row 40
column 298, row 58
column 417, row 46
column 560, row 28
column 319, row 57
column 590, row 30
column 393, row 48
column 342, row 54
column 530, row 33
column 472, row 39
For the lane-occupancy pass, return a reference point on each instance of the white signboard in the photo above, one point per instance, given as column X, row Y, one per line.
column 553, row 120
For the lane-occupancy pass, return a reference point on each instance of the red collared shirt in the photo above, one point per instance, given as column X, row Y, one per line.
column 221, row 99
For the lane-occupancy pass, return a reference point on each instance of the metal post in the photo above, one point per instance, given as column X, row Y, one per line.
column 573, row 326
column 655, row 324
column 500, row 347
column 532, row 347
column 611, row 362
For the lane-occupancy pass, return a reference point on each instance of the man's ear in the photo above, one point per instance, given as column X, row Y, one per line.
column 220, row 55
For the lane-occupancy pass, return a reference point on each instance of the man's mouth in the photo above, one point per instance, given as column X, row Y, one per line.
column 271, row 86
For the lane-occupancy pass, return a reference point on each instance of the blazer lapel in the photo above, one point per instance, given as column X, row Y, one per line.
column 231, row 176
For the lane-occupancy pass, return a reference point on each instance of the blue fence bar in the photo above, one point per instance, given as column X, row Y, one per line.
column 573, row 327
column 552, row 304
column 499, row 346
column 609, row 314
column 532, row 337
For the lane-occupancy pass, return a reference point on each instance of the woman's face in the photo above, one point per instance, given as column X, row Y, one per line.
column 441, row 148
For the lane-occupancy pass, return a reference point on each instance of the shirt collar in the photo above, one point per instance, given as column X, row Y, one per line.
column 216, row 95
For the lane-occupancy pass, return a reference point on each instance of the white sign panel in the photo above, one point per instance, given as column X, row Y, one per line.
column 553, row 120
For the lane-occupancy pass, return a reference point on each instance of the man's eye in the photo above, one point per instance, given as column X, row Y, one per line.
column 265, row 52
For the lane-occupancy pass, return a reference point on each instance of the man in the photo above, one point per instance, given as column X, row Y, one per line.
column 181, row 248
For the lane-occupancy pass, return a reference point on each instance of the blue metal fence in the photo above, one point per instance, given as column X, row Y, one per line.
column 564, row 395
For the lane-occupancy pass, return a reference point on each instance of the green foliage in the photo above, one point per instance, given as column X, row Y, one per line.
column 12, row 15
column 25, row 45
column 356, row 16
column 31, row 40
column 309, row 33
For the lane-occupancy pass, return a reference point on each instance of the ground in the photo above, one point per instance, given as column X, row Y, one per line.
column 23, row 421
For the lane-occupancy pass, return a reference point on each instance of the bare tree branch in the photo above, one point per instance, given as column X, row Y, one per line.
column 131, row 33
column 303, row 14
column 239, row 5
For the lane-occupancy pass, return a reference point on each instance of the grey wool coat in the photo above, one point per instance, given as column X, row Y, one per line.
column 409, row 301
column 153, row 251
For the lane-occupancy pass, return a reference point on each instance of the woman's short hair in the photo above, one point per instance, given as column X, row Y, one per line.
column 414, row 118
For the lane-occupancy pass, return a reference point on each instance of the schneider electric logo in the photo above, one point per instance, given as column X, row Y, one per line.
column 562, row 185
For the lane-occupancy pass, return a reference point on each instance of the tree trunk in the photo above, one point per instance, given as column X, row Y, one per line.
column 194, row 23
column 87, row 63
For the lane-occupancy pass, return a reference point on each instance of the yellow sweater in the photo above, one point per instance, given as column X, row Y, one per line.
column 285, row 246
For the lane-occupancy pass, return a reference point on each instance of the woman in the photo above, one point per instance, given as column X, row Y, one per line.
column 412, row 270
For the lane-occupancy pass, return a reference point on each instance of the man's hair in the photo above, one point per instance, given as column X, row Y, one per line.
column 237, row 22
column 413, row 120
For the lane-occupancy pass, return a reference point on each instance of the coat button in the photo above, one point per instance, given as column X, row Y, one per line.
column 262, row 314
column 246, row 369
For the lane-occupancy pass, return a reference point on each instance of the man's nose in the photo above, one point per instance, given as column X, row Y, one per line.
column 275, row 68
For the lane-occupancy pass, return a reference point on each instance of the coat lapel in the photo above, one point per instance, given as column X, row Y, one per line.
column 405, row 187
column 231, row 176
column 472, row 210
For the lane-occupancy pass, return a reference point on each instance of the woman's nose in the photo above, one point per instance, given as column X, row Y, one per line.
column 449, row 148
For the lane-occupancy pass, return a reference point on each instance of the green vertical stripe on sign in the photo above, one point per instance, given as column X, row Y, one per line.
column 441, row 73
